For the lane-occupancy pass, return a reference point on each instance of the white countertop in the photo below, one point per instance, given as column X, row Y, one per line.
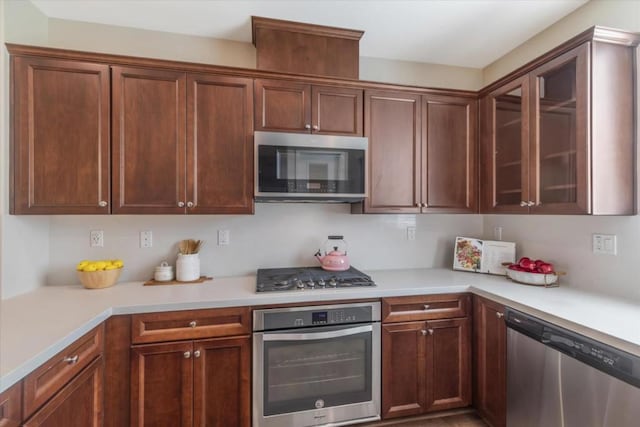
column 37, row 325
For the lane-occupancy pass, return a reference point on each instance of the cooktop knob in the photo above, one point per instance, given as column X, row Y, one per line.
column 321, row 283
column 299, row 284
column 333, row 283
column 311, row 284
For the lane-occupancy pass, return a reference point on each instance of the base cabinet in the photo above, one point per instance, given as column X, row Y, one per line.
column 191, row 383
column 78, row 404
column 490, row 356
column 426, row 366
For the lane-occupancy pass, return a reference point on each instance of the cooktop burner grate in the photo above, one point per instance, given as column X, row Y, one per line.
column 309, row 278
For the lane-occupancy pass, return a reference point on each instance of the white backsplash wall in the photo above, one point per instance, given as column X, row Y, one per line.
column 278, row 235
column 566, row 241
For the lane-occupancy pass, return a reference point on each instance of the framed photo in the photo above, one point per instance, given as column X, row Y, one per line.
column 482, row 256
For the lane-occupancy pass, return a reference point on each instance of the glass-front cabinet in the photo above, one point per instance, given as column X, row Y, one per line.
column 536, row 142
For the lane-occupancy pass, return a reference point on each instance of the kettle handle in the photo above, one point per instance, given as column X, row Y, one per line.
column 318, row 253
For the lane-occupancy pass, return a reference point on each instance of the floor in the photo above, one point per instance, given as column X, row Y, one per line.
column 464, row 419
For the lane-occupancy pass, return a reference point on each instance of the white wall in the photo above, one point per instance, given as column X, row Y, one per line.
column 24, row 240
column 566, row 240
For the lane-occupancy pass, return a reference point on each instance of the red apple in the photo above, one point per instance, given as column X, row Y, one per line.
column 527, row 264
column 545, row 268
column 538, row 262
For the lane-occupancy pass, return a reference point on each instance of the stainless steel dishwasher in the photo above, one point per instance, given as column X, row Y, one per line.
column 556, row 377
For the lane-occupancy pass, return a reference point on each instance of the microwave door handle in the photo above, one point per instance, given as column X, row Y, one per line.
column 317, row 335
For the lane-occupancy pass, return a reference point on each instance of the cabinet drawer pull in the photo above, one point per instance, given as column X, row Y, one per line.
column 499, row 315
column 187, row 354
column 71, row 360
column 307, row 126
column 181, row 204
column 193, row 324
column 196, row 353
column 426, row 307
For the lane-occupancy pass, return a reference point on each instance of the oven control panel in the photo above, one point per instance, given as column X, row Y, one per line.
column 342, row 314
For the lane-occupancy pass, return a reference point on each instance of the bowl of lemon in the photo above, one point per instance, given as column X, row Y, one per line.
column 99, row 274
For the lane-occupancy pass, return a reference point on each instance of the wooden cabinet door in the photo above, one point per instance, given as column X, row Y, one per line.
column 392, row 124
column 505, row 149
column 490, row 356
column 404, row 389
column 449, row 151
column 149, row 141
column 219, row 144
column 162, row 385
column 559, row 151
column 78, row 404
column 336, row 110
column 11, row 406
column 282, row 106
column 60, row 139
column 448, row 360
column 222, row 383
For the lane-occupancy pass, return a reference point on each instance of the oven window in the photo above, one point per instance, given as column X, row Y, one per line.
column 303, row 375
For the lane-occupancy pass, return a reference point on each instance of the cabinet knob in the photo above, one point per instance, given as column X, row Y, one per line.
column 530, row 203
column 181, row 204
column 190, row 204
column 523, row 204
column 196, row 353
column 193, row 324
column 499, row 315
column 102, row 203
column 186, row 354
column 316, row 127
column 71, row 360
column 307, row 126
column 424, row 332
column 430, row 331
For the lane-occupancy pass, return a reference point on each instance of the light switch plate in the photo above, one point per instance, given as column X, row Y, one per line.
column 605, row 244
column 224, row 237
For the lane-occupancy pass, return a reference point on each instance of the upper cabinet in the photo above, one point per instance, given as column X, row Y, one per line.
column 60, row 137
column 182, row 142
column 294, row 106
column 559, row 138
column 422, row 153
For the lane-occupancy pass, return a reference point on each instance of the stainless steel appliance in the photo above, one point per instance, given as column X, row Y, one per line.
column 309, row 278
column 316, row 366
column 556, row 377
column 310, row 167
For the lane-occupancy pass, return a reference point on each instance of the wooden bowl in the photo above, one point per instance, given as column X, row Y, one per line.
column 99, row 279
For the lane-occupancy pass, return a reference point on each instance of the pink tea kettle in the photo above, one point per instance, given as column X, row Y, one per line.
column 335, row 255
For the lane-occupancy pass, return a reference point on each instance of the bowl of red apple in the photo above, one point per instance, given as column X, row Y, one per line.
column 532, row 272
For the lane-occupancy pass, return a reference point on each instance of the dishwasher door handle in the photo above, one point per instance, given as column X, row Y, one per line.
column 317, row 335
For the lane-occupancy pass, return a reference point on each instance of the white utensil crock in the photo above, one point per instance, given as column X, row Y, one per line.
column 188, row 267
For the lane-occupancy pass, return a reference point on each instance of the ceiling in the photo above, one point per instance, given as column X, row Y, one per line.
column 469, row 33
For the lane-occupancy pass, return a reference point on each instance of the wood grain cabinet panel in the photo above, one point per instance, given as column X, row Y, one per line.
column 11, row 406
column 449, row 154
column 78, row 404
column 149, row 141
column 222, row 382
column 162, row 385
column 219, row 144
column 337, row 111
column 60, row 137
column 282, row 106
column 46, row 380
column 425, row 307
column 490, row 361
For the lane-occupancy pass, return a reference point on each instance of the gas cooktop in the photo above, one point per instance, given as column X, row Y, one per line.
column 309, row 278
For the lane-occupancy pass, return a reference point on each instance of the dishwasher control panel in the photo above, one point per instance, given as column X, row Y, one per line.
column 604, row 357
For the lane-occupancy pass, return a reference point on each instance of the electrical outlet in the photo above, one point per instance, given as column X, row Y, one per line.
column 605, row 244
column 497, row 233
column 224, row 237
column 96, row 239
column 146, row 239
column 411, row 233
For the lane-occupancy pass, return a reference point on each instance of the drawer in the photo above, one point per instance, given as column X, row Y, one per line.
column 11, row 406
column 49, row 378
column 190, row 324
column 425, row 307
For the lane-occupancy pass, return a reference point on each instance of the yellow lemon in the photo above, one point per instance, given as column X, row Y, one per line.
column 89, row 268
column 118, row 263
column 111, row 267
column 100, row 265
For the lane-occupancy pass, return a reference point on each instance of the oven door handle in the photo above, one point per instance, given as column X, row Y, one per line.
column 317, row 335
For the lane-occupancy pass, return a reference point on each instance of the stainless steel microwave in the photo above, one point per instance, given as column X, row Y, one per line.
column 310, row 168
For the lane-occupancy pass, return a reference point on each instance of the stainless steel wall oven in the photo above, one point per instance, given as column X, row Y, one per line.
column 316, row 366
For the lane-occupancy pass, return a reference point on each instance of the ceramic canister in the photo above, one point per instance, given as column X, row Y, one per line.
column 188, row 267
column 163, row 272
